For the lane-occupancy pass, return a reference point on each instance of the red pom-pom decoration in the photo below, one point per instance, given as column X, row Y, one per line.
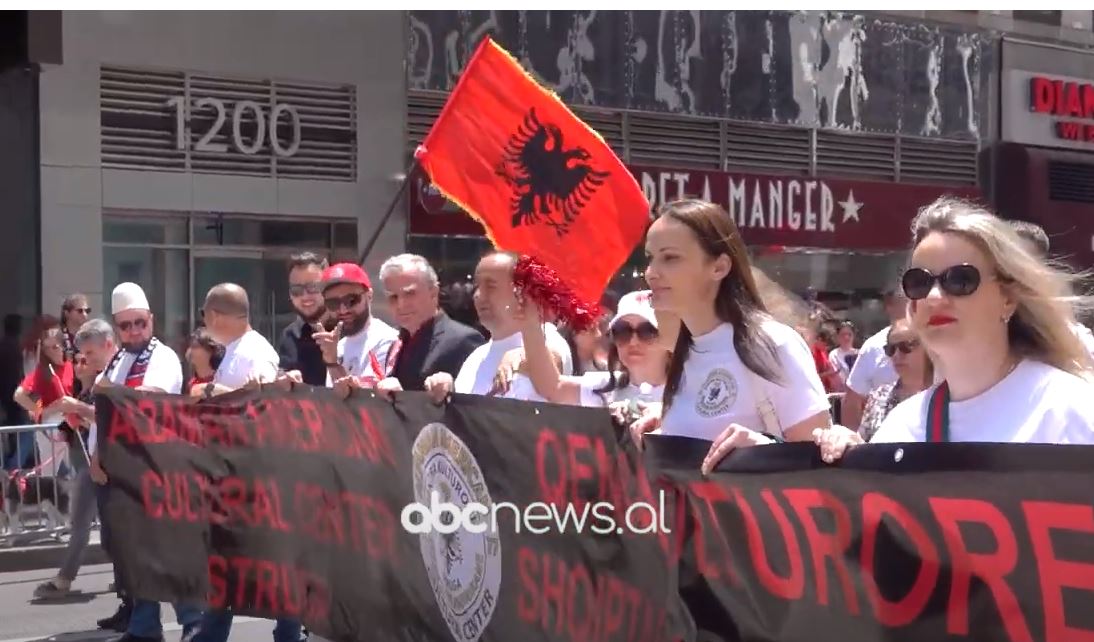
column 542, row 284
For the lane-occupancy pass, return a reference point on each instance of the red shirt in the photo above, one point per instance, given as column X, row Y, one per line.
column 824, row 366
column 49, row 386
column 196, row 381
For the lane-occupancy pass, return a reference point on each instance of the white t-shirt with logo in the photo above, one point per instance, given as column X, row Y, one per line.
column 593, row 381
column 248, row 355
column 872, row 368
column 375, row 339
column 164, row 372
column 476, row 376
column 1036, row 403
column 717, row 389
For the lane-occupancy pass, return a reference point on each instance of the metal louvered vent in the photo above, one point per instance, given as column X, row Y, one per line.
column 938, row 161
column 844, row 154
column 1071, row 181
column 756, row 147
column 674, row 141
column 422, row 108
column 606, row 123
column 175, row 121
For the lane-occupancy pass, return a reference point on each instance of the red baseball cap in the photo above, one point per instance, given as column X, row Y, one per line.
column 345, row 273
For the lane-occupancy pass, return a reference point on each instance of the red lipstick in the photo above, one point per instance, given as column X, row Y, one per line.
column 940, row 319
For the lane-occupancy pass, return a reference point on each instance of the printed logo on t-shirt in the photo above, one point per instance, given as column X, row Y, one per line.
column 717, row 394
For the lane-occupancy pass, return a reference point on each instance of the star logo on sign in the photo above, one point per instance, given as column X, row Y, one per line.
column 851, row 207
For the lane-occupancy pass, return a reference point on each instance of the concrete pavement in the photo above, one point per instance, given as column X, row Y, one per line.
column 73, row 619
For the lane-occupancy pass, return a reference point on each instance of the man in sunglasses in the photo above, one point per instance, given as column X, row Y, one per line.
column 297, row 348
column 872, row 368
column 359, row 345
column 143, row 363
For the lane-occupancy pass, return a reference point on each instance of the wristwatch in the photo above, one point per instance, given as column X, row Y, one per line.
column 207, row 392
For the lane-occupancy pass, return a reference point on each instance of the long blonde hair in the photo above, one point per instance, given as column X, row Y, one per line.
column 1045, row 291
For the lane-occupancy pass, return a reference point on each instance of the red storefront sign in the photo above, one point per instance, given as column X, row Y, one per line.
column 791, row 211
column 1064, row 98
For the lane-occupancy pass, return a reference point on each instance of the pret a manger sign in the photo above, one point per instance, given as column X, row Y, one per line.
column 1068, row 102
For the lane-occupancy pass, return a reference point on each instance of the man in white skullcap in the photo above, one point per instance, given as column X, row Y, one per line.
column 143, row 363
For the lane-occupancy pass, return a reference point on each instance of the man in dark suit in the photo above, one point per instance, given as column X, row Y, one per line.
column 429, row 341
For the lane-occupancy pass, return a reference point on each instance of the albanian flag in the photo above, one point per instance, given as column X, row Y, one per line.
column 540, row 180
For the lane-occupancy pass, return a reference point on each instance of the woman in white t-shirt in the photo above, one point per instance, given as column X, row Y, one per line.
column 737, row 376
column 637, row 363
column 844, row 354
column 997, row 322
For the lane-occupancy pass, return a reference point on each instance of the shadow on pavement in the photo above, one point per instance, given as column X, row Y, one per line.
column 73, row 597
column 80, row 636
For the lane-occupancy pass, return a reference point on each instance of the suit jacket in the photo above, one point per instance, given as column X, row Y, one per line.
column 441, row 345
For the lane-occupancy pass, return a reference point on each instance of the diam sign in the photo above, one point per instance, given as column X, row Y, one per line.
column 551, row 184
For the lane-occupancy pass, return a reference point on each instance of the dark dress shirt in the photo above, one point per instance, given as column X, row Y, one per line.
column 440, row 345
column 299, row 351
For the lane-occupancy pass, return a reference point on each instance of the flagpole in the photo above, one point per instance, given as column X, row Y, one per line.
column 387, row 215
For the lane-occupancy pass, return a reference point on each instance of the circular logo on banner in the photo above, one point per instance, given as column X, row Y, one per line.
column 464, row 567
column 717, row 393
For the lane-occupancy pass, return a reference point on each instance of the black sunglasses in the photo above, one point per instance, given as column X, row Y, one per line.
column 300, row 289
column 84, row 310
column 957, row 280
column 139, row 324
column 335, row 304
column 905, row 347
column 622, row 332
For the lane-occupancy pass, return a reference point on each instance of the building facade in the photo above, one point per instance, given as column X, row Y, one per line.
column 183, row 149
column 821, row 133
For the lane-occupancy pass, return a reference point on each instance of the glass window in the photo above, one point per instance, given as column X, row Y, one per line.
column 165, row 276
column 345, row 236
column 216, row 230
column 454, row 258
column 1043, row 17
column 151, row 230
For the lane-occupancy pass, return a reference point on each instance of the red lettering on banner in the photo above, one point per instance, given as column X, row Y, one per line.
column 150, row 483
column 231, row 505
column 992, row 568
column 267, row 505
column 241, row 567
column 792, row 586
column 278, row 588
column 1055, row 574
column 711, row 492
column 577, row 471
column 218, row 582
column 553, row 490
column 553, row 591
column 266, row 576
column 374, row 442
column 1040, row 95
column 1058, row 97
column 122, row 428
column 564, row 600
column 528, row 599
column 1088, row 101
column 826, row 545
column 875, row 508
column 580, row 587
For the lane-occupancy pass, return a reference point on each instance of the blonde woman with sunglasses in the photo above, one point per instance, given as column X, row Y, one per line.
column 996, row 320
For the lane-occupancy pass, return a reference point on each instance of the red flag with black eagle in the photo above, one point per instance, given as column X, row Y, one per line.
column 542, row 182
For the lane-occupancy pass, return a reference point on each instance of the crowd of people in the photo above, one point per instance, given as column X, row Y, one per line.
column 983, row 334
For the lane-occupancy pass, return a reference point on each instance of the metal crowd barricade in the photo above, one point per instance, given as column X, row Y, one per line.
column 37, row 483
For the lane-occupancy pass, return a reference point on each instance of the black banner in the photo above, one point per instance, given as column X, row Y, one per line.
column 291, row 504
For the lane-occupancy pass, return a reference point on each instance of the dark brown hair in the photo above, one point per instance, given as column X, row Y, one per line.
column 204, row 340
column 737, row 301
column 307, row 259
